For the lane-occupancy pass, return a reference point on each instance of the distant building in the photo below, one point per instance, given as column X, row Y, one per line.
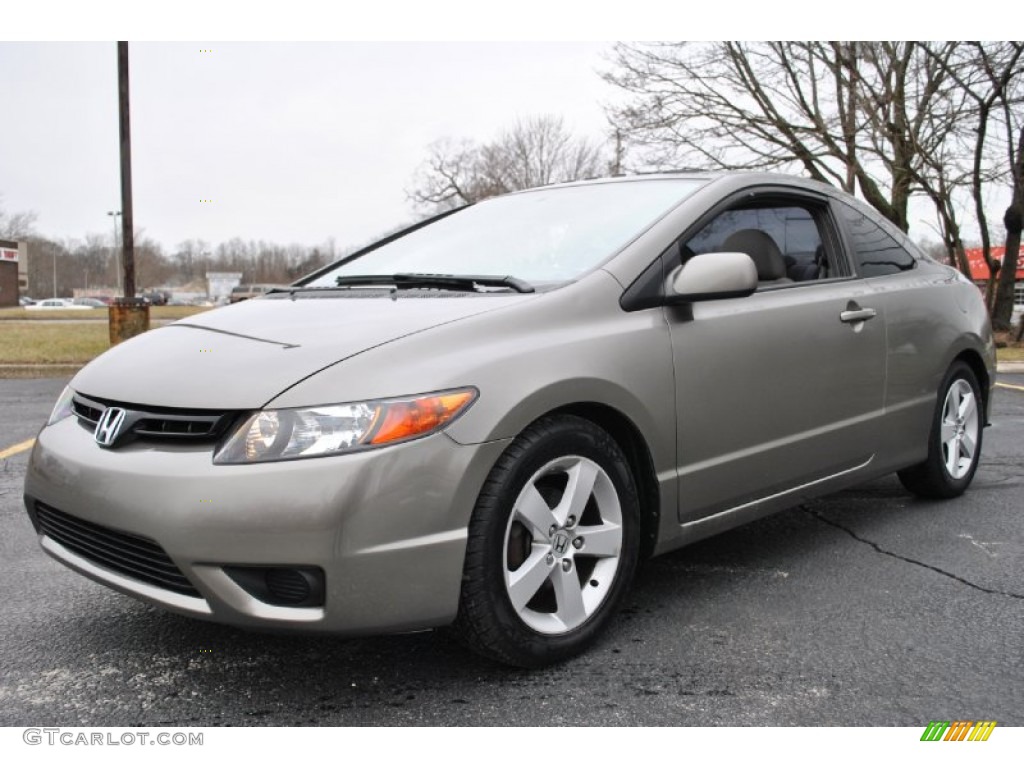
column 980, row 272
column 219, row 284
column 13, row 272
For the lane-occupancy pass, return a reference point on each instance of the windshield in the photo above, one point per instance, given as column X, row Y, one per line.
column 543, row 236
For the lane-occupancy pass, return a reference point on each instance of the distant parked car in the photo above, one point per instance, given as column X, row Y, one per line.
column 57, row 304
column 156, row 298
column 26, row 301
column 88, row 302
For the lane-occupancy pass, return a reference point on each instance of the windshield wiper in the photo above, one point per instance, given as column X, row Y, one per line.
column 446, row 282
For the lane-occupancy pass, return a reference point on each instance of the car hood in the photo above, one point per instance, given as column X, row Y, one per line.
column 243, row 355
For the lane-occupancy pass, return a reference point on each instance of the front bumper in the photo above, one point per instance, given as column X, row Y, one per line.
column 387, row 526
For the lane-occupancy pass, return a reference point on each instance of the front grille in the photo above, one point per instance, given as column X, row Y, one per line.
column 126, row 553
column 86, row 411
column 176, row 427
column 154, row 423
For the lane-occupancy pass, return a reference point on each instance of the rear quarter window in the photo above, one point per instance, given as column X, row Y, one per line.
column 876, row 252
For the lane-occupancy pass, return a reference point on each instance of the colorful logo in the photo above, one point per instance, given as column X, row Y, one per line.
column 958, row 730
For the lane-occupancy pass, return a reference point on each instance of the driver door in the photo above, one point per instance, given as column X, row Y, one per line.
column 782, row 389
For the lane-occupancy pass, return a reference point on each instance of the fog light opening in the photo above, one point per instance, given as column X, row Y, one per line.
column 288, row 586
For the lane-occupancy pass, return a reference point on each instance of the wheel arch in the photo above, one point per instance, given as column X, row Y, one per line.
column 974, row 361
column 942, row 475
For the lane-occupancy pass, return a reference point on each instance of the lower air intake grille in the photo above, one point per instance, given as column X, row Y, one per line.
column 134, row 556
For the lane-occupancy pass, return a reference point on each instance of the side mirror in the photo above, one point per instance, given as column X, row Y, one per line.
column 706, row 276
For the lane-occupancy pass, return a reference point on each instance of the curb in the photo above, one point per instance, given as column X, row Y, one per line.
column 41, row 371
column 1013, row 366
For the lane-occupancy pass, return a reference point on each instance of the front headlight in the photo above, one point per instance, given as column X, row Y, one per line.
column 62, row 408
column 327, row 430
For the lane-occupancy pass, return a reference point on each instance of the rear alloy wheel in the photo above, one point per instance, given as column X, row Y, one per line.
column 954, row 445
column 552, row 544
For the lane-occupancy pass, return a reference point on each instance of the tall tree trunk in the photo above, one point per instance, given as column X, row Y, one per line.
column 977, row 192
column 1007, row 275
column 1013, row 219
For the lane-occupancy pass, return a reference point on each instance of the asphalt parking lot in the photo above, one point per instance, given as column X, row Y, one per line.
column 864, row 608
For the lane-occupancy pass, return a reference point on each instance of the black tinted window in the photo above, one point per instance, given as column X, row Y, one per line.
column 876, row 252
column 792, row 228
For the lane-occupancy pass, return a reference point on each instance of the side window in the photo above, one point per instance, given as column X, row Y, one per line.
column 783, row 240
column 876, row 252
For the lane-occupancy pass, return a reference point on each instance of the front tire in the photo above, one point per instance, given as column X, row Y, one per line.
column 553, row 544
column 954, row 444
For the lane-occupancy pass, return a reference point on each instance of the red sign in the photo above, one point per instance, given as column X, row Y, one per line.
column 8, row 254
column 979, row 269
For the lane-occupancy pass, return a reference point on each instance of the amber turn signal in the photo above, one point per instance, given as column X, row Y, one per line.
column 408, row 418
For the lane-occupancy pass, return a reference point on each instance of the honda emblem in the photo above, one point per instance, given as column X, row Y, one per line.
column 109, row 426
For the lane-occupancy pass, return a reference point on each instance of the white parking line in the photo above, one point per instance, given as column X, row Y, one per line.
column 1009, row 386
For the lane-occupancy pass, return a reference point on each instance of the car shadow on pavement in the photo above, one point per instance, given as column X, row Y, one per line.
column 113, row 660
column 151, row 666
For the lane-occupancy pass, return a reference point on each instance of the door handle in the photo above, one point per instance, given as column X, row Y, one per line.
column 856, row 315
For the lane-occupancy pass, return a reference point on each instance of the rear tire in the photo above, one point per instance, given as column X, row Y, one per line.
column 954, row 444
column 553, row 544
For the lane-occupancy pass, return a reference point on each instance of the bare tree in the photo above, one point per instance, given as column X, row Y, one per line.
column 90, row 262
column 988, row 77
column 837, row 111
column 61, row 267
column 885, row 120
column 16, row 226
column 451, row 176
column 152, row 267
column 190, row 257
column 50, row 268
column 1013, row 220
column 532, row 153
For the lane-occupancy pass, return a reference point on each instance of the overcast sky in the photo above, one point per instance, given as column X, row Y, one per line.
column 300, row 142
column 292, row 142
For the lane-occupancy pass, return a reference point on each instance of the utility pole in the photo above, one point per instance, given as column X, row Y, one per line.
column 127, row 222
column 616, row 164
column 129, row 316
column 117, row 256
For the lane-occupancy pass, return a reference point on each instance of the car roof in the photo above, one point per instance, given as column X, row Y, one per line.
column 732, row 179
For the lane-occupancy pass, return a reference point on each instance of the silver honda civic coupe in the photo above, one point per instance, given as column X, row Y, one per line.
column 490, row 418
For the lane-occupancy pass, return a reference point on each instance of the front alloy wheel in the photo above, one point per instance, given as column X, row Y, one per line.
column 563, row 545
column 553, row 544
